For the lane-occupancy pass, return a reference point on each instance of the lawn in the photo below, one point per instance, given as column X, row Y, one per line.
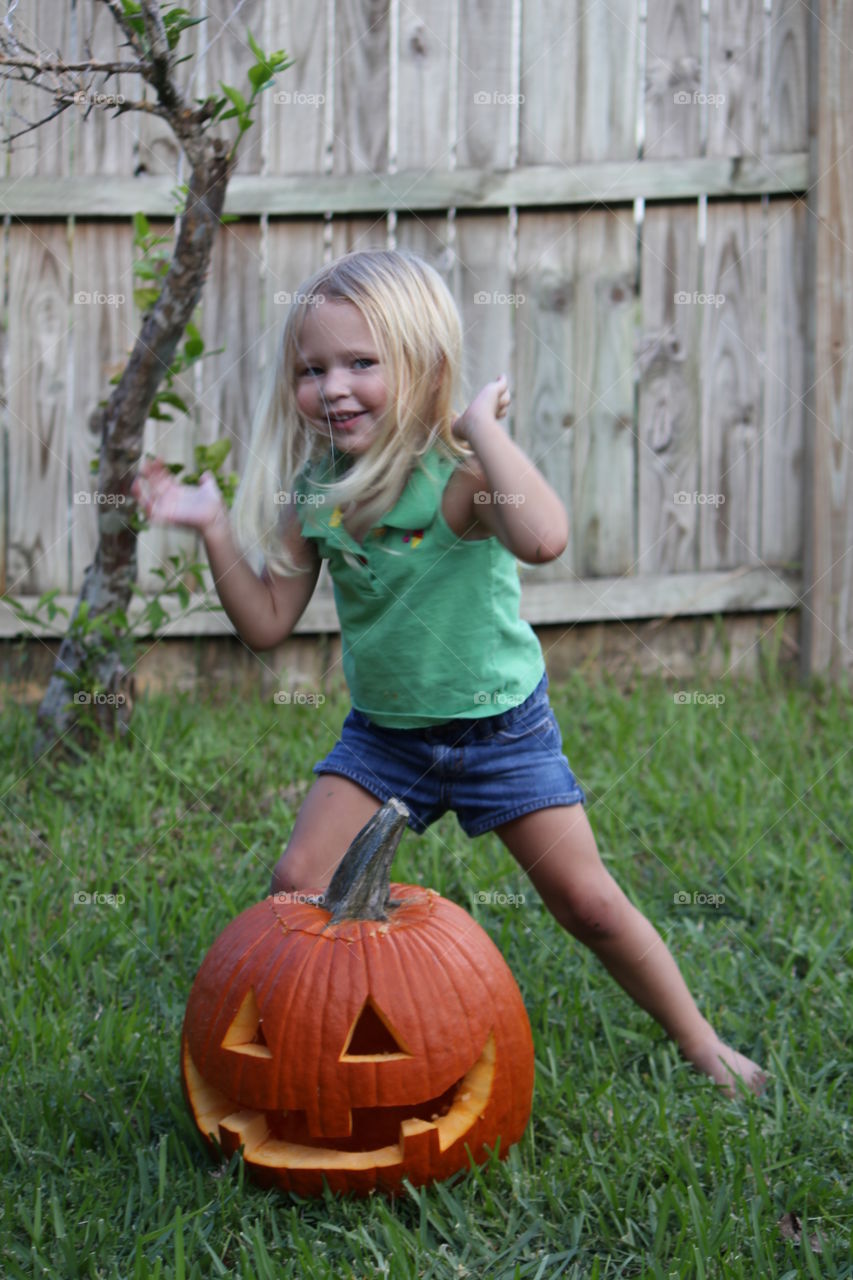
column 632, row 1164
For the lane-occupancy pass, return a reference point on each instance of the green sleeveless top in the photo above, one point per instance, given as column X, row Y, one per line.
column 429, row 622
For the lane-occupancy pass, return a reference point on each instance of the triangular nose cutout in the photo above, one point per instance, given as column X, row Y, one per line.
column 246, row 1032
column 372, row 1039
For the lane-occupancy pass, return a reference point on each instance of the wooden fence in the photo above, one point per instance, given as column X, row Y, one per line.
column 641, row 212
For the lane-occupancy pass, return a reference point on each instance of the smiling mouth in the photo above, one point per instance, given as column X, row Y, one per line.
column 344, row 419
column 268, row 1139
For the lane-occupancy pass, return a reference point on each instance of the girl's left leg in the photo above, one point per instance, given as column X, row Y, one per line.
column 557, row 849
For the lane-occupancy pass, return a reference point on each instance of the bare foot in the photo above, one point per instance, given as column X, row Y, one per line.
column 722, row 1063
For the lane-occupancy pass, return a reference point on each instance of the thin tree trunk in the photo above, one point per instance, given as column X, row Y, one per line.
column 108, row 580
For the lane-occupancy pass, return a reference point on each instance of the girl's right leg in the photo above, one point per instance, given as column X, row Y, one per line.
column 331, row 815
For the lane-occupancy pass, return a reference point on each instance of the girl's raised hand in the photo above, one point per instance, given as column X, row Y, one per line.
column 487, row 406
column 166, row 501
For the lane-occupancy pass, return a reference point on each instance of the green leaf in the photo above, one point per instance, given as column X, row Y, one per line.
column 141, row 226
column 259, row 75
column 147, row 269
column 210, row 457
column 235, row 96
column 145, row 298
column 255, row 47
column 172, row 398
column 155, row 614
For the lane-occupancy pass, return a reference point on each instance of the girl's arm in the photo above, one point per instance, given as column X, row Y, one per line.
column 264, row 609
column 510, row 498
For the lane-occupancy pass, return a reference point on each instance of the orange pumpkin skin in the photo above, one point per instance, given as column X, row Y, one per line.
column 361, row 1052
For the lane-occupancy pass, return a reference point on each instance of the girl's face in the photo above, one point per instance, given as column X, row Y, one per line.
column 341, row 385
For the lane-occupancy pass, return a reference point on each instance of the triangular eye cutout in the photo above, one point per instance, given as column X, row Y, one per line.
column 246, row 1032
column 372, row 1038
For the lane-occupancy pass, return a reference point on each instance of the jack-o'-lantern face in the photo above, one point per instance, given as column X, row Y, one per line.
column 363, row 1051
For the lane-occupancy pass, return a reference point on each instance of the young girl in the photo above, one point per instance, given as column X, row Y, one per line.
column 357, row 457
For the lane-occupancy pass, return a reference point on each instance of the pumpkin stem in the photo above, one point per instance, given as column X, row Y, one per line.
column 360, row 887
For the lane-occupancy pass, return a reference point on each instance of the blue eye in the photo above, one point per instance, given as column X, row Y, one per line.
column 367, row 361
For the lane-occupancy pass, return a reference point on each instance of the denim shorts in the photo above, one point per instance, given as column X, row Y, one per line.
column 486, row 770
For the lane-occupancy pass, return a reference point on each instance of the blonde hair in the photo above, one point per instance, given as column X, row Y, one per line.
column 416, row 327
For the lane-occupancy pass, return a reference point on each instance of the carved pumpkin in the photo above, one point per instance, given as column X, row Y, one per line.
column 375, row 1037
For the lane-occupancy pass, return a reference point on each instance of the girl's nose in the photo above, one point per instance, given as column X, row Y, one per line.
column 335, row 384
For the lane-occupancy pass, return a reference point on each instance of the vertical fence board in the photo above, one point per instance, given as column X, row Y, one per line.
column 545, row 333
column 482, row 278
column 485, row 84
column 606, row 54
column 668, row 427
column 483, row 291
column 296, row 106
column 361, row 86
column 603, row 437
column 673, row 77
column 424, row 76
column 44, row 152
column 102, row 335
column 731, row 361
column 788, row 114
column 231, row 318
column 782, row 475
column 549, row 114
column 828, row 622
column 735, row 75
column 38, row 409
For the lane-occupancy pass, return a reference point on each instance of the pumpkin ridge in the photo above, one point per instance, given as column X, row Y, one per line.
column 427, row 962
column 282, row 1014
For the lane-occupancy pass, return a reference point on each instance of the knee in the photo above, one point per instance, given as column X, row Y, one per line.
column 295, row 872
column 591, row 913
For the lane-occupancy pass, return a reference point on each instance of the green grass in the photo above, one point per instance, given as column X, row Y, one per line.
column 632, row 1164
